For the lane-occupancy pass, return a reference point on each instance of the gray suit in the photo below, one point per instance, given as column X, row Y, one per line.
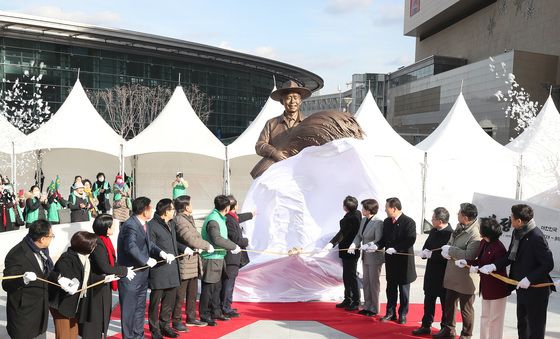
column 371, row 262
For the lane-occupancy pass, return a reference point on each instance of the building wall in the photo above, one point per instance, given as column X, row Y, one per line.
column 527, row 25
column 428, row 10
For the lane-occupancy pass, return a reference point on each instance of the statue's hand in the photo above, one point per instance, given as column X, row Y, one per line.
column 278, row 156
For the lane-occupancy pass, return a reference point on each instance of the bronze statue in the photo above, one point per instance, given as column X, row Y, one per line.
column 286, row 135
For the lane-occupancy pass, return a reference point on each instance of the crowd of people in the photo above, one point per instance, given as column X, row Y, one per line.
column 460, row 264
column 162, row 250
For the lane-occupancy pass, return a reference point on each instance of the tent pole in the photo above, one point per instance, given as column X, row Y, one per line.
column 226, row 174
column 14, row 177
column 121, row 161
column 133, row 173
column 519, row 186
column 424, row 176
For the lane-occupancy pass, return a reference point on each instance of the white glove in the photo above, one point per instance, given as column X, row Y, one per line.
column 426, row 254
column 110, row 278
column 130, row 274
column 557, row 283
column 445, row 252
column 371, row 247
column 236, row 250
column 64, row 283
column 74, row 285
column 169, row 258
column 328, row 247
column 391, row 251
column 487, row 269
column 473, row 269
column 151, row 262
column 461, row 263
column 352, row 248
column 28, row 277
column 188, row 251
column 524, row 284
column 210, row 248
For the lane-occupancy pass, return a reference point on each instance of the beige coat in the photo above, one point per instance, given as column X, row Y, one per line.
column 464, row 245
column 187, row 234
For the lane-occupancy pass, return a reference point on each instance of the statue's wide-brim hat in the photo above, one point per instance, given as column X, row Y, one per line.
column 290, row 87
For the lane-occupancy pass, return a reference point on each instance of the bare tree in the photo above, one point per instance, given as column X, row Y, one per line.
column 200, row 102
column 131, row 108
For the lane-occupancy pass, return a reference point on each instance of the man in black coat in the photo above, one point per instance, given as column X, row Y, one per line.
column 233, row 261
column 164, row 279
column 349, row 226
column 27, row 309
column 435, row 268
column 399, row 235
column 530, row 261
column 135, row 248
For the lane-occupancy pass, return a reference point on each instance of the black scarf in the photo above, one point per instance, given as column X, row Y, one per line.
column 48, row 264
column 517, row 235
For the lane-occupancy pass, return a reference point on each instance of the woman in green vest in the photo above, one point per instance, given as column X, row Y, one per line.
column 121, row 199
column 101, row 190
column 35, row 206
column 55, row 202
column 179, row 185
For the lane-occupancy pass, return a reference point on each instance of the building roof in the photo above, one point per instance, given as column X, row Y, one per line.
column 60, row 31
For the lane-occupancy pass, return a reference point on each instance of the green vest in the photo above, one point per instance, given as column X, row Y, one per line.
column 33, row 215
column 53, row 211
column 219, row 253
column 179, row 190
column 97, row 189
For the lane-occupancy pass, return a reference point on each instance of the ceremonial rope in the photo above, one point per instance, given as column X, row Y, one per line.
column 291, row 252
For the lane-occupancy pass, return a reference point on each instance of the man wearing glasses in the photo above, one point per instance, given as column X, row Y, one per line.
column 27, row 309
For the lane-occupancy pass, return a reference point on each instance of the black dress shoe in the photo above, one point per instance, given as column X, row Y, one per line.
column 402, row 320
column 209, row 322
column 196, row 322
column 179, row 327
column 353, row 306
column 168, row 332
column 422, row 331
column 221, row 317
column 363, row 312
column 156, row 335
column 231, row 314
column 389, row 317
column 344, row 304
column 445, row 333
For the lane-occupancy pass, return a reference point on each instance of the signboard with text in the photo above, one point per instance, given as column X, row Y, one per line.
column 414, row 7
column 547, row 219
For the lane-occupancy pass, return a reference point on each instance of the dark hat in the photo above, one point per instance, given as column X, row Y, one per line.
column 290, row 86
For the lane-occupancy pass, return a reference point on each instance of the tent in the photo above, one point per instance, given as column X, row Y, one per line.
column 462, row 159
column 397, row 161
column 539, row 144
column 241, row 156
column 177, row 141
column 11, row 138
column 76, row 140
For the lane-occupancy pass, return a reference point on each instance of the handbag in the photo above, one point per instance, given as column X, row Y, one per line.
column 244, row 259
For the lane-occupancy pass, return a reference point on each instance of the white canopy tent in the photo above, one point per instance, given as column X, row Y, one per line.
column 396, row 160
column 177, row 141
column 241, row 156
column 539, row 144
column 463, row 159
column 11, row 137
column 77, row 141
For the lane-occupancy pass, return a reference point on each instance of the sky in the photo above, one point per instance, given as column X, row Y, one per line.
column 331, row 38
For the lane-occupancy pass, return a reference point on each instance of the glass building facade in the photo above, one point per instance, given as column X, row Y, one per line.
column 237, row 84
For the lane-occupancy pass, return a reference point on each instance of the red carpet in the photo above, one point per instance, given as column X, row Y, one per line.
column 348, row 322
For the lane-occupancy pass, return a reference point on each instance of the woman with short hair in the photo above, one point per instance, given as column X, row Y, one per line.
column 70, row 308
column 494, row 291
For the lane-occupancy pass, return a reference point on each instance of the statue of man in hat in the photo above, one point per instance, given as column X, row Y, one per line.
column 276, row 129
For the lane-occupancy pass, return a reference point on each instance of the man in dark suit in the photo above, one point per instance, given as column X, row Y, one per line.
column 349, row 226
column 135, row 248
column 27, row 309
column 233, row 261
column 164, row 279
column 435, row 268
column 530, row 261
column 399, row 235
